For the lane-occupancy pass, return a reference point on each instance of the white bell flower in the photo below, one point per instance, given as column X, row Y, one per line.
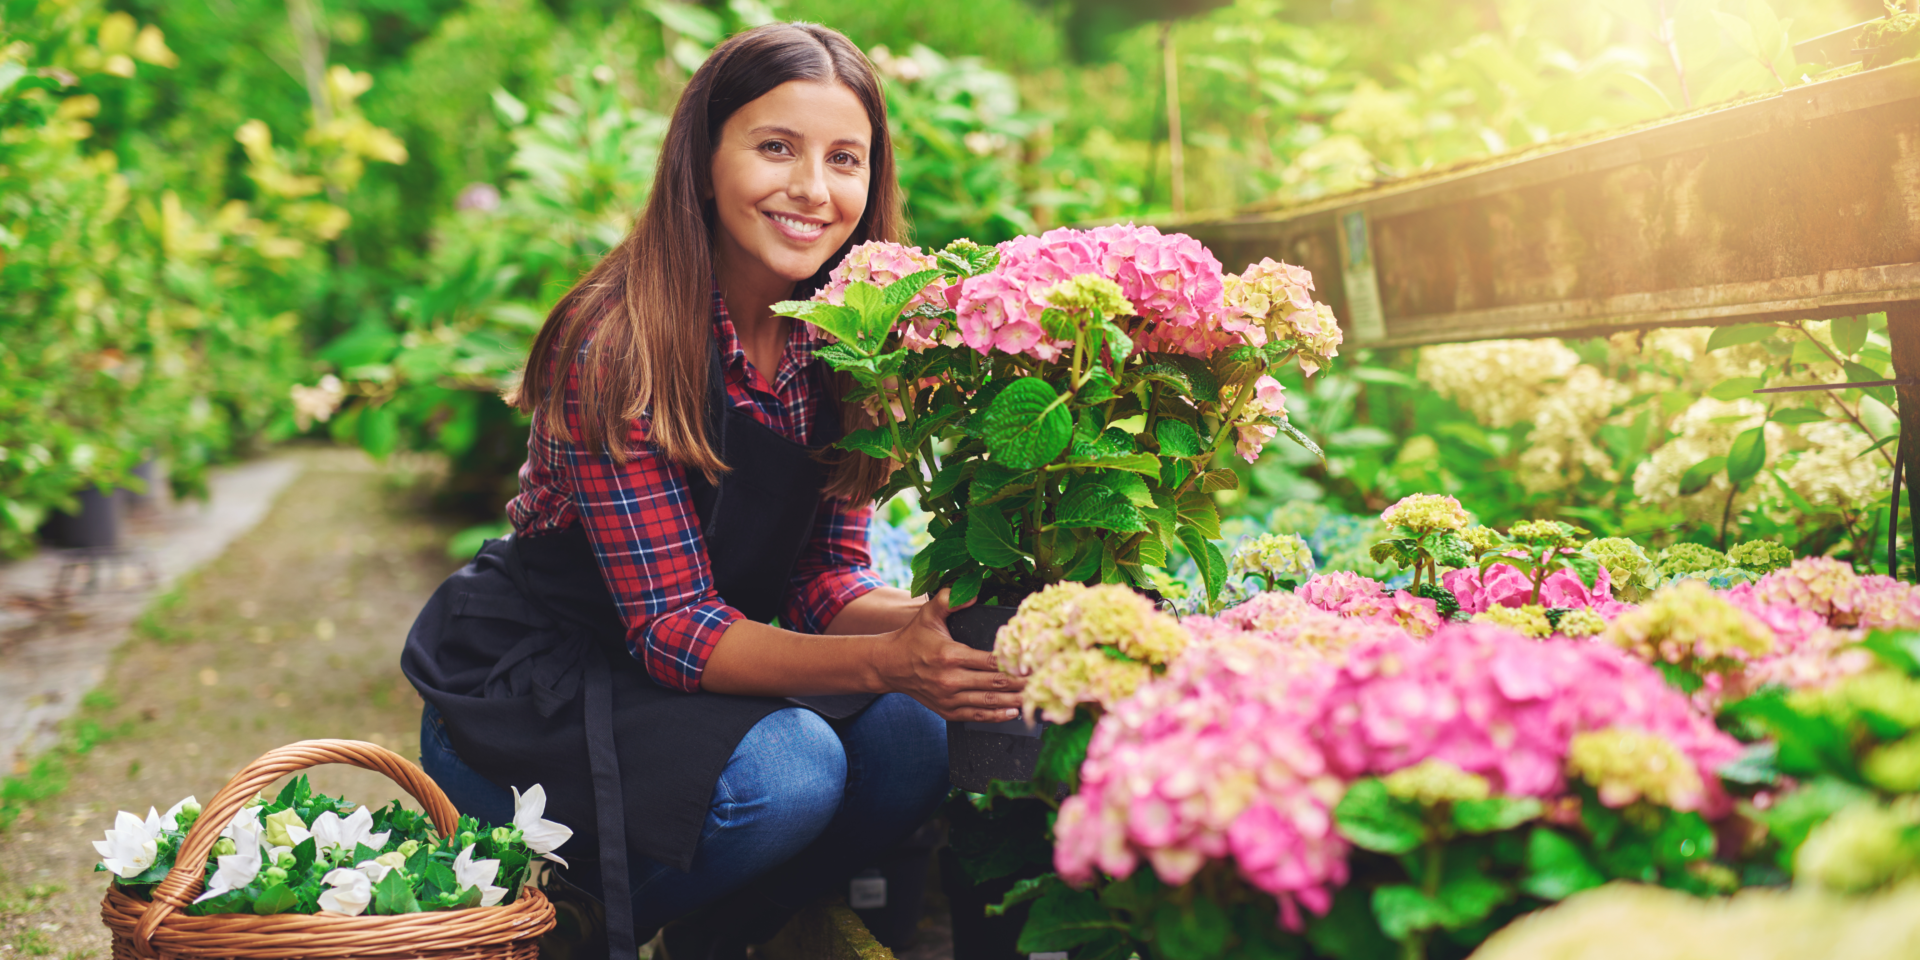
column 374, row 869
column 542, row 836
column 237, row 869
column 468, row 872
column 131, row 846
column 349, row 892
column 331, row 830
column 171, row 819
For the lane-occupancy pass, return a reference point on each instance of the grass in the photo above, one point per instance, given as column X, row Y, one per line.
column 48, row 775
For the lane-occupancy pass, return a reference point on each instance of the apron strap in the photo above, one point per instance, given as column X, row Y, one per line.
column 609, row 809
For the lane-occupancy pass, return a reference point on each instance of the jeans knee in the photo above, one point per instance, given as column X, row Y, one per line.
column 788, row 774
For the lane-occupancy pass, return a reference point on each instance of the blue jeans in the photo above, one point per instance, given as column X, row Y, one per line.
column 802, row 803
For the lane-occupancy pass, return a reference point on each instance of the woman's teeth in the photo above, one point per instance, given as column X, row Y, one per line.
column 797, row 226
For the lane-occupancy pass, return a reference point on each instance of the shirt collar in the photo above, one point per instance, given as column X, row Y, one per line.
column 793, row 361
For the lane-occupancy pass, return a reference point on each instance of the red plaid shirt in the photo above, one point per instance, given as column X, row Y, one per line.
column 640, row 518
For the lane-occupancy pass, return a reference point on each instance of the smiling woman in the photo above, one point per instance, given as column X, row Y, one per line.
column 676, row 502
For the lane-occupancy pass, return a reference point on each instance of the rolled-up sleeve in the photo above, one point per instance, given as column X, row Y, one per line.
column 834, row 569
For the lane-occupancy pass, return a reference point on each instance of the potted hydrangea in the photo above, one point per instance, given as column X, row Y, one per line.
column 1061, row 405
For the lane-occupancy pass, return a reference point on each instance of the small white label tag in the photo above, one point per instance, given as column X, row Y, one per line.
column 1049, row 955
column 870, row 893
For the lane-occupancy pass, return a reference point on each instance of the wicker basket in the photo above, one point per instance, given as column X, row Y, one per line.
column 161, row 930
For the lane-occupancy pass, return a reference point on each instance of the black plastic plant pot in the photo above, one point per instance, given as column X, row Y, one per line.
column 95, row 527
column 978, row 753
column 148, row 497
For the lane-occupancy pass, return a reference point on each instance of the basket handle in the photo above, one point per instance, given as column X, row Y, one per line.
column 184, row 881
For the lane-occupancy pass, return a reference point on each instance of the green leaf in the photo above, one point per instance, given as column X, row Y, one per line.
column 1030, row 888
column 1204, row 556
column 1404, row 909
column 1117, row 341
column 1734, row 336
column 1063, row 748
column 1198, row 510
column 1214, row 481
column 1861, row 373
column 1142, row 463
column 1585, row 566
column 1177, row 438
column 393, row 895
column 1025, row 425
column 906, row 288
column 1494, row 813
column 275, row 899
column 1467, row 895
column 1757, row 764
column 949, row 477
column 1062, row 920
column 1098, row 507
column 990, row 538
column 1375, row 820
column 966, row 588
column 1734, row 388
column 1291, row 432
column 1792, row 415
column 1157, row 371
column 993, row 481
column 1748, row 455
column 379, row 431
column 1196, row 931
column 1700, row 474
column 1849, row 334
column 874, row 442
column 1085, row 564
column 842, row 322
column 1556, row 866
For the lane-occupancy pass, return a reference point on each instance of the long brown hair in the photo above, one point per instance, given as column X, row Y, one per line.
column 647, row 303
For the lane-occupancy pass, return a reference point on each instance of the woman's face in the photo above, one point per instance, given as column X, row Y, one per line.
column 790, row 178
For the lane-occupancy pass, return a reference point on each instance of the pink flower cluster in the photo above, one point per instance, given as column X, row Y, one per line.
column 1173, row 282
column 1242, row 751
column 1503, row 585
column 1494, row 703
column 1352, row 595
column 1817, row 608
column 1269, row 400
column 881, row 263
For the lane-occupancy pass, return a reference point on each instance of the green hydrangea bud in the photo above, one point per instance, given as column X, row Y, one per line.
column 502, row 836
column 1628, row 765
column 224, row 847
column 408, row 849
column 1760, row 556
column 1689, row 558
column 1090, row 293
column 467, row 838
column 272, row 875
column 1580, row 622
column 1434, row 781
column 1530, row 619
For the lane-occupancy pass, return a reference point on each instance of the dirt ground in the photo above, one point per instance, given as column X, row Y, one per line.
column 293, row 633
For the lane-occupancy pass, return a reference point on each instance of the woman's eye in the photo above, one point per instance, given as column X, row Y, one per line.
column 774, row 146
column 844, row 159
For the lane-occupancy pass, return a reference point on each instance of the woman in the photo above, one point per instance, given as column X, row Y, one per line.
column 619, row 647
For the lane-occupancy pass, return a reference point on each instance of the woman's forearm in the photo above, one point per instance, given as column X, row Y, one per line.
column 754, row 659
column 881, row 610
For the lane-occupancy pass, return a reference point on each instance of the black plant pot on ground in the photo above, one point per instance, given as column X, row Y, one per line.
column 95, row 527
column 978, row 753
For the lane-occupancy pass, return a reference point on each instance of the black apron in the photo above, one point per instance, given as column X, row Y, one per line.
column 524, row 653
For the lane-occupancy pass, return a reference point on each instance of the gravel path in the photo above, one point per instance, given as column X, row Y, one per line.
column 293, row 633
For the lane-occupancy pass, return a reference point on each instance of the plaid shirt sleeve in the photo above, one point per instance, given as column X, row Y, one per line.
column 640, row 519
column 833, row 569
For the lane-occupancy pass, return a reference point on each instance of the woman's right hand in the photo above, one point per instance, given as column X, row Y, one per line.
column 923, row 661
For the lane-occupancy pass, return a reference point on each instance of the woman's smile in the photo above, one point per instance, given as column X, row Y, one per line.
column 798, row 228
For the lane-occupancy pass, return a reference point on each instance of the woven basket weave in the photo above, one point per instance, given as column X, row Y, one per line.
column 162, row 930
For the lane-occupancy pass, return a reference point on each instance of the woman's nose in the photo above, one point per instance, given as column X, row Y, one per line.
column 808, row 183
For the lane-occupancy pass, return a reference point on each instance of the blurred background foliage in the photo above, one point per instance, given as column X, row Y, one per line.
column 229, row 222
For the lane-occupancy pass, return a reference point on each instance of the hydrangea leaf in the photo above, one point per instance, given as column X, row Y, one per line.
column 1062, row 920
column 1494, row 814
column 949, row 477
column 1849, row 334
column 842, row 322
column 1031, row 888
column 1374, row 820
column 966, row 588
column 1449, row 550
column 874, row 442
column 1467, row 895
column 1585, row 566
column 1734, row 336
column 1556, row 867
column 1291, row 432
column 1734, row 388
column 1214, row 481
column 1098, row 388
column 1145, row 464
column 1404, row 910
column 1099, row 507
column 1177, row 438
column 1085, row 564
column 1063, row 748
column 1798, row 415
column 1193, row 931
column 1748, row 455
column 1199, row 511
column 906, row 288
column 1700, row 474
column 990, row 538
column 1156, row 371
column 1026, row 426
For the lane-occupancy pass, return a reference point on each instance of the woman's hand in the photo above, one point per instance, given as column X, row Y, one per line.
column 923, row 661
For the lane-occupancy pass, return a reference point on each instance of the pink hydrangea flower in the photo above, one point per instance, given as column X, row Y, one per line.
column 1823, row 585
column 1173, row 282
column 880, row 263
column 1503, row 585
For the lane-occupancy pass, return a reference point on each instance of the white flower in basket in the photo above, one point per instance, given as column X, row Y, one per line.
column 237, row 869
column 132, row 844
column 468, row 872
column 331, row 830
column 542, row 836
column 350, row 891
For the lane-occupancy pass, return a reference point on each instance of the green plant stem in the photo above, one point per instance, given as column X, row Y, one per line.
column 1835, row 396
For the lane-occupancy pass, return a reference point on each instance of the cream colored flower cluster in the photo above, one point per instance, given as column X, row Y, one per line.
column 1687, row 621
column 1705, row 429
column 1077, row 644
column 1628, row 765
column 1273, row 556
column 1560, row 448
column 1499, row 382
column 1425, row 513
column 1276, row 300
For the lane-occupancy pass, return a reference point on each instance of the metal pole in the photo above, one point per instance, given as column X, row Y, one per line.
column 1903, row 332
